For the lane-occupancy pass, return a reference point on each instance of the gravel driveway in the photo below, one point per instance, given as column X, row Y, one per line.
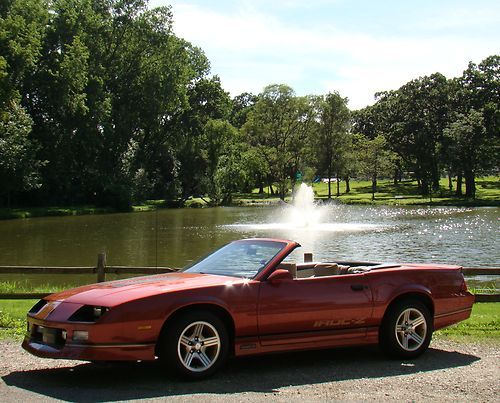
column 449, row 371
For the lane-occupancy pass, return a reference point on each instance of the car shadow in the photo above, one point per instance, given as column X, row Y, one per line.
column 264, row 374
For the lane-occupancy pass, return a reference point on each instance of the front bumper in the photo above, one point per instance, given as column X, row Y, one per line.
column 54, row 340
column 89, row 352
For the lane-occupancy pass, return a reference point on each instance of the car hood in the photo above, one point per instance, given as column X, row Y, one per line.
column 113, row 293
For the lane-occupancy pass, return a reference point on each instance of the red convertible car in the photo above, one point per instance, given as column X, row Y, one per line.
column 245, row 299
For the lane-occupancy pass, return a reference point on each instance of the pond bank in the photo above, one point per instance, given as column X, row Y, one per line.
column 55, row 211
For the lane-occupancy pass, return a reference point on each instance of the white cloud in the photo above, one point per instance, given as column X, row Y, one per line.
column 249, row 49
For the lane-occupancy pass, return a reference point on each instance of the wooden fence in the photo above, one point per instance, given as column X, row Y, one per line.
column 101, row 269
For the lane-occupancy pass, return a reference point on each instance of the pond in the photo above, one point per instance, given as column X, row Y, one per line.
column 175, row 237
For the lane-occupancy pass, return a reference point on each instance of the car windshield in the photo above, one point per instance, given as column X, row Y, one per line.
column 238, row 259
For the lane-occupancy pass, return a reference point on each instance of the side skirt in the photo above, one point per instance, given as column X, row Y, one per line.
column 305, row 341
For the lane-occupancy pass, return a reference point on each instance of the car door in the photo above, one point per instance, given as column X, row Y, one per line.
column 290, row 311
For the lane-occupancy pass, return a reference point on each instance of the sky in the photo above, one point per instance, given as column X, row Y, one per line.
column 355, row 47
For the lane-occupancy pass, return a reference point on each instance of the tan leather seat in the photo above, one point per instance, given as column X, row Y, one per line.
column 290, row 266
column 326, row 269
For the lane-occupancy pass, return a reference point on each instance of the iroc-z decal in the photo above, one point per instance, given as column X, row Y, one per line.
column 339, row 322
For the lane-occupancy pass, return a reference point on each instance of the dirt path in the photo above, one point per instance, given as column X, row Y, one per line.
column 449, row 371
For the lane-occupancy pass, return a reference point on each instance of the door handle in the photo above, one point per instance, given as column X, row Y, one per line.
column 357, row 287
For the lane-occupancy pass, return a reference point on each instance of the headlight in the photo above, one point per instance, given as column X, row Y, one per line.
column 88, row 313
column 38, row 306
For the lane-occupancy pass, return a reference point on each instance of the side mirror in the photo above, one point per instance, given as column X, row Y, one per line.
column 280, row 275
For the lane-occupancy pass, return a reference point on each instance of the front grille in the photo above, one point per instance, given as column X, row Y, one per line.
column 50, row 336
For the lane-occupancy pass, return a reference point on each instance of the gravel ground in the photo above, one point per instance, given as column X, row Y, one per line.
column 449, row 371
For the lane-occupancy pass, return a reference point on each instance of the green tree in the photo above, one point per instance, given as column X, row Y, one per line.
column 472, row 151
column 220, row 139
column 375, row 160
column 331, row 139
column 242, row 105
column 19, row 170
column 105, row 84
column 278, row 126
column 206, row 100
column 23, row 26
column 256, row 168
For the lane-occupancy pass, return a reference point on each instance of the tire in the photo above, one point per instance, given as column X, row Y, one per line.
column 406, row 329
column 195, row 345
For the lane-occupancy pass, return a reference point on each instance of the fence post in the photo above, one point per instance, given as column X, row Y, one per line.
column 101, row 267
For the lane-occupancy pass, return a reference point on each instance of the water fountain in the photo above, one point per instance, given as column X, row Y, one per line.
column 304, row 215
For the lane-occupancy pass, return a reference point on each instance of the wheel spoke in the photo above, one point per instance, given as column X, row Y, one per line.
column 400, row 337
column 406, row 316
column 400, row 328
column 185, row 341
column 419, row 321
column 210, row 341
column 198, row 330
column 204, row 359
column 405, row 341
column 188, row 359
column 416, row 337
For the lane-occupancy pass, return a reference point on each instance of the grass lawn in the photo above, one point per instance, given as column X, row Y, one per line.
column 483, row 325
column 25, row 286
column 404, row 193
column 13, row 317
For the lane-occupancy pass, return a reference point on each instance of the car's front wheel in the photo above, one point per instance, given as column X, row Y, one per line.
column 195, row 345
column 406, row 330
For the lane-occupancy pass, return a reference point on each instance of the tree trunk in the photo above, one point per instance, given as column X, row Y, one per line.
column 227, row 199
column 282, row 190
column 374, row 186
column 435, row 179
column 470, row 185
column 261, row 187
column 338, row 186
column 458, row 192
column 450, row 182
column 424, row 187
column 329, row 185
column 347, row 185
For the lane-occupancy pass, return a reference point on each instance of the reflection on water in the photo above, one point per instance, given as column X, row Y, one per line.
column 300, row 229
column 176, row 237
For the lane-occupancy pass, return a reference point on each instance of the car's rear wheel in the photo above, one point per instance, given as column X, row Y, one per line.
column 406, row 330
column 194, row 345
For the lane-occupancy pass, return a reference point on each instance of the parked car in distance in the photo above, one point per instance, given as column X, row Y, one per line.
column 245, row 299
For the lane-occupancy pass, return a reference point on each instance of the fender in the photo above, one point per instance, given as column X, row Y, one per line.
column 410, row 288
column 381, row 307
column 243, row 316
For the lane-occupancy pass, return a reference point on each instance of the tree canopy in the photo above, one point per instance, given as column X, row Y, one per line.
column 100, row 102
